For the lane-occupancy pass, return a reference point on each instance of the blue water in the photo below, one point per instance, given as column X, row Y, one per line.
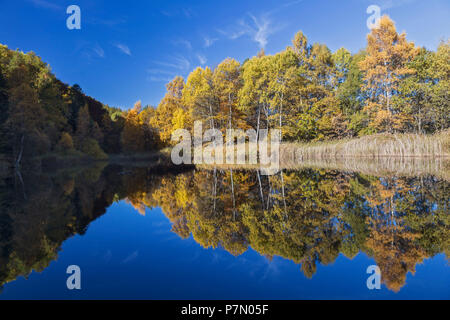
column 125, row 255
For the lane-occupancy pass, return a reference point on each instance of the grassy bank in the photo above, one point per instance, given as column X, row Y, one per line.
column 369, row 147
column 380, row 155
column 373, row 146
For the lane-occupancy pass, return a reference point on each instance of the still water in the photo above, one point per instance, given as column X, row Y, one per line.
column 152, row 233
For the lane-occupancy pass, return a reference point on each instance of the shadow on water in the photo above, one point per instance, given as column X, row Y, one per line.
column 306, row 215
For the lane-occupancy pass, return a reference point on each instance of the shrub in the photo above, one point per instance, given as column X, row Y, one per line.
column 92, row 149
column 65, row 143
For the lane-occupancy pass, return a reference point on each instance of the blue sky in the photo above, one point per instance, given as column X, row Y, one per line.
column 128, row 50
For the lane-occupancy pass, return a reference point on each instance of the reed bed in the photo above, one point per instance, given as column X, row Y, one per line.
column 374, row 146
column 379, row 167
column 382, row 167
column 378, row 155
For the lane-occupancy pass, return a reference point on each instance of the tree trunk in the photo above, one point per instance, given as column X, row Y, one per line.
column 232, row 195
column 211, row 121
column 257, row 123
column 260, row 188
column 19, row 157
column 215, row 189
column 282, row 192
column 270, row 192
column 230, row 115
column 281, row 113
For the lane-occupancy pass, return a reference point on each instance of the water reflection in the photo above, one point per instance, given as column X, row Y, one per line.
column 308, row 216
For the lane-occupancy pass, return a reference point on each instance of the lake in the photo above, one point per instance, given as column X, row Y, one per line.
column 152, row 232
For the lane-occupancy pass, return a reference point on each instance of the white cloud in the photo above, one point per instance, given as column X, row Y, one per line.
column 209, row 41
column 240, row 29
column 389, row 4
column 257, row 28
column 169, row 69
column 90, row 50
column 124, row 48
column 177, row 62
column 99, row 51
column 186, row 12
column 159, row 71
column 202, row 59
column 263, row 30
column 160, row 75
column 159, row 79
column 182, row 63
column 185, row 43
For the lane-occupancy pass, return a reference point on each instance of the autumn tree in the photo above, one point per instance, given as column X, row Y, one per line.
column 132, row 134
column 319, row 116
column 199, row 96
column 226, row 83
column 251, row 95
column 171, row 113
column 384, row 67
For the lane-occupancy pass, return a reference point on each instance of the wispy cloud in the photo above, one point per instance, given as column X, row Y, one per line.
column 124, row 48
column 283, row 6
column 209, row 41
column 291, row 3
column 183, row 42
column 165, row 71
column 259, row 29
column 240, row 29
column 159, row 79
column 160, row 75
column 202, row 59
column 263, row 30
column 90, row 50
column 389, row 4
column 178, row 62
column 99, row 51
column 186, row 12
column 159, row 71
column 46, row 4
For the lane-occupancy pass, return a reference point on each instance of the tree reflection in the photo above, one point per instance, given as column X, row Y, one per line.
column 307, row 216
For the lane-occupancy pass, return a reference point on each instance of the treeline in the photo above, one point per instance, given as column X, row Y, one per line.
column 39, row 114
column 307, row 91
column 312, row 94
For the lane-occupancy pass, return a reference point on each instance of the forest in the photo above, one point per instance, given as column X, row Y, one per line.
column 307, row 91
